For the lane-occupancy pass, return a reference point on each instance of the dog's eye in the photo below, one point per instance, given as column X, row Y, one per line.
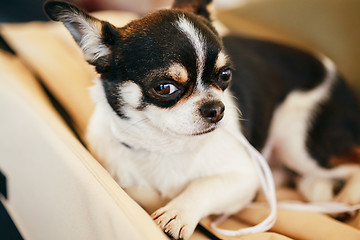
column 165, row 89
column 225, row 75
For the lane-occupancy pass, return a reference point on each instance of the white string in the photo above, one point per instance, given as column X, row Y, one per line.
column 268, row 186
column 319, row 207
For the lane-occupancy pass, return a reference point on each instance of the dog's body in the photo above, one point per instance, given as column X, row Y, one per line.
column 164, row 112
column 299, row 111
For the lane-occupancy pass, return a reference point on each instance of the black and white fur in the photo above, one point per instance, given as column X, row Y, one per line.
column 163, row 103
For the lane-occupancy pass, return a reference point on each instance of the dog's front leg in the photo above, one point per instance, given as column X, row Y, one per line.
column 219, row 194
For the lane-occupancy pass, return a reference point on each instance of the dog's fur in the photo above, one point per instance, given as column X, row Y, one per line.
column 163, row 104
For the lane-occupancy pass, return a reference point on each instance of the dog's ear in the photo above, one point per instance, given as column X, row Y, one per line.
column 199, row 7
column 95, row 37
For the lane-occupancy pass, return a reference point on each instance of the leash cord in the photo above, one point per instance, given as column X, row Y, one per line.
column 268, row 187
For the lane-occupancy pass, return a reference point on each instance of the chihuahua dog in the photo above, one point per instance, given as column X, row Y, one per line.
column 165, row 112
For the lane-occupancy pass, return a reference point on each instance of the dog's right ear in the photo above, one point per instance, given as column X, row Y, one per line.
column 200, row 7
column 95, row 37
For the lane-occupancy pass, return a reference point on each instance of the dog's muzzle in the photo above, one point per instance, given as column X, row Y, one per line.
column 212, row 111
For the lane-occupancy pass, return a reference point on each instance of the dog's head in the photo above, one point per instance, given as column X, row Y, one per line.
column 168, row 68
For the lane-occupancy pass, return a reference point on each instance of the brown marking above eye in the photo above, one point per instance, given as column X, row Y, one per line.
column 178, row 72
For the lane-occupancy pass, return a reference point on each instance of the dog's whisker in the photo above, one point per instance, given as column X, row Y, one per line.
column 130, row 127
column 237, row 115
column 237, row 109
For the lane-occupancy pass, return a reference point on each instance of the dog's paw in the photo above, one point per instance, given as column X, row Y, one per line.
column 175, row 222
column 316, row 189
column 350, row 194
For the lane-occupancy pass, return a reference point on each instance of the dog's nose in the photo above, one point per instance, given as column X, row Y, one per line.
column 212, row 111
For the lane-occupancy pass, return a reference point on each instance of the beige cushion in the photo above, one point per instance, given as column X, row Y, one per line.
column 56, row 189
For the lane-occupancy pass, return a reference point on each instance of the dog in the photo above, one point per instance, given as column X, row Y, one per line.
column 171, row 91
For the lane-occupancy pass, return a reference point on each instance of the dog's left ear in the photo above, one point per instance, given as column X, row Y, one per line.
column 95, row 37
column 199, row 7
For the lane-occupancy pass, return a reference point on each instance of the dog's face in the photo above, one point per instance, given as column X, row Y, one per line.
column 167, row 70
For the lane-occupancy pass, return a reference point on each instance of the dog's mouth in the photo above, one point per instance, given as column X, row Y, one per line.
column 208, row 130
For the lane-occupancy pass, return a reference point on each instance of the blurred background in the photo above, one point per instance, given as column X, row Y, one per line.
column 28, row 10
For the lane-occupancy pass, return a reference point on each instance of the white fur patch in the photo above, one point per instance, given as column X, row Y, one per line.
column 131, row 94
column 197, row 41
column 92, row 43
column 87, row 33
